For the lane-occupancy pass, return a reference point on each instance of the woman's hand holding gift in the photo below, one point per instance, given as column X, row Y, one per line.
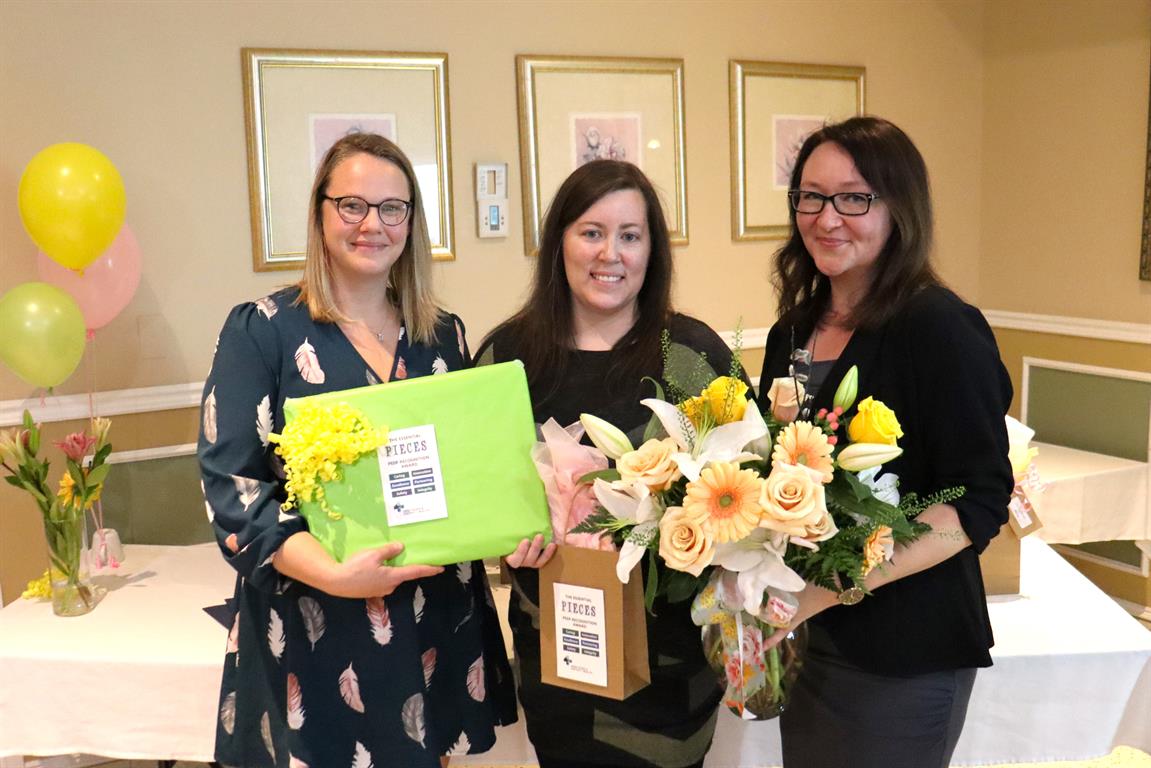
column 362, row 575
column 531, row 553
column 365, row 574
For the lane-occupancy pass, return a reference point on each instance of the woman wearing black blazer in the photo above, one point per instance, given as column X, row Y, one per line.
column 886, row 681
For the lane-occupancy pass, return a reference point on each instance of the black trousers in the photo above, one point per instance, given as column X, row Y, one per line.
column 840, row 716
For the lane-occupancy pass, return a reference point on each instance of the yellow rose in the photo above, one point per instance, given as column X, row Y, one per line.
column 874, row 423
column 794, row 503
column 785, row 396
column 878, row 549
column 685, row 543
column 725, row 398
column 650, row 464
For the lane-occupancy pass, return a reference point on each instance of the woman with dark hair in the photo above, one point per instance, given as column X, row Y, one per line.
column 355, row 662
column 886, row 680
column 588, row 334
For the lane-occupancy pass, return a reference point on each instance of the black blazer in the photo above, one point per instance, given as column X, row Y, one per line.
column 936, row 364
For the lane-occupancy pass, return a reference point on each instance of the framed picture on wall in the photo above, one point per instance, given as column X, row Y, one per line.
column 573, row 110
column 298, row 103
column 1145, row 249
column 774, row 108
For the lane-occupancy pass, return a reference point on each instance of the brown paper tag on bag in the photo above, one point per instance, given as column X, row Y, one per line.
column 1023, row 512
column 593, row 629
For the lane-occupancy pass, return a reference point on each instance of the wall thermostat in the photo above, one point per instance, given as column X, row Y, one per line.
column 492, row 199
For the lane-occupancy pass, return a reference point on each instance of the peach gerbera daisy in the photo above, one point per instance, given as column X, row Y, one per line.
column 804, row 444
column 727, row 499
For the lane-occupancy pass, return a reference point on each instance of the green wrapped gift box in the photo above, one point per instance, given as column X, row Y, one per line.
column 456, row 480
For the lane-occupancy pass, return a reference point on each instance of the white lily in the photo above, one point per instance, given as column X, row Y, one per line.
column 727, row 442
column 606, row 436
column 860, row 456
column 758, row 559
column 634, row 504
column 884, row 488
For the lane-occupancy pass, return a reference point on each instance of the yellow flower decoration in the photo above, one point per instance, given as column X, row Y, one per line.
column 316, row 443
column 875, row 423
column 726, row 498
column 38, row 589
column 725, row 399
column 66, row 492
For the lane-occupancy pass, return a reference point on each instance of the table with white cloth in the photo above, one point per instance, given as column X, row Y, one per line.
column 139, row 676
column 1092, row 497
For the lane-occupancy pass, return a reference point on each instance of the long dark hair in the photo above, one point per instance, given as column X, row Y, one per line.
column 543, row 329
column 890, row 163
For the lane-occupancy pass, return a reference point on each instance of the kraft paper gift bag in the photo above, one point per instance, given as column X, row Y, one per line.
column 593, row 631
column 456, row 480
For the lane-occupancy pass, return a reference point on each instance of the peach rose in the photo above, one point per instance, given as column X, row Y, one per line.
column 685, row 544
column 794, row 503
column 650, row 464
column 785, row 395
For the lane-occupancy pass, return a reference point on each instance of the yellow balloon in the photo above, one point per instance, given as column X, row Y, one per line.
column 44, row 335
column 72, row 203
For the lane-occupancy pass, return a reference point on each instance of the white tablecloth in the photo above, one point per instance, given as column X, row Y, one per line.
column 138, row 677
column 1092, row 497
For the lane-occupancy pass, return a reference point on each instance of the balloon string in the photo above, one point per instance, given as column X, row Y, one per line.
column 97, row 509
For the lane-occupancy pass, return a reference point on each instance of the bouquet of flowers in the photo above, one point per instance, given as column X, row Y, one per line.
column 62, row 509
column 737, row 512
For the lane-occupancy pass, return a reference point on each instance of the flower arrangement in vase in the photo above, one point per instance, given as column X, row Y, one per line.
column 62, row 509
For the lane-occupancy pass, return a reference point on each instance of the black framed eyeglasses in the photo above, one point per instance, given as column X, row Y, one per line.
column 845, row 203
column 353, row 210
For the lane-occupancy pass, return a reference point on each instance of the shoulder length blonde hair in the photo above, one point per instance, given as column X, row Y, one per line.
column 409, row 279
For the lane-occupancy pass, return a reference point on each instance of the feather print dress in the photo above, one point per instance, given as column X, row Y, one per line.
column 311, row 679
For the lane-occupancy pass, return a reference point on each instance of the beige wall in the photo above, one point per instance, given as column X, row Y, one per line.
column 1031, row 116
column 156, row 86
column 1064, row 143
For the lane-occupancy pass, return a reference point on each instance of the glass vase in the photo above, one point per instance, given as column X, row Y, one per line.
column 757, row 680
column 72, row 592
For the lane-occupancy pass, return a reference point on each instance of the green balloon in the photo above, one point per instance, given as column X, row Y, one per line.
column 43, row 333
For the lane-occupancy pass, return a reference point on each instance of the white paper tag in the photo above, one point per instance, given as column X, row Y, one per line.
column 410, row 471
column 1020, row 507
column 581, row 650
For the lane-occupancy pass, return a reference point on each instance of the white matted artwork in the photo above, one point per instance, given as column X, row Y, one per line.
column 326, row 129
column 298, row 102
column 607, row 136
column 774, row 107
column 788, row 132
column 573, row 108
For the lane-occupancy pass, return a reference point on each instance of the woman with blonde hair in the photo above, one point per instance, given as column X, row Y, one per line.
column 355, row 662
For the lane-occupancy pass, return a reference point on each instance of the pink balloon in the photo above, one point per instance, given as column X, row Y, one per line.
column 105, row 286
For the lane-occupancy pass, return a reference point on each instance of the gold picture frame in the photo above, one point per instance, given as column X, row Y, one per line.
column 774, row 106
column 1145, row 242
column 574, row 108
column 297, row 102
